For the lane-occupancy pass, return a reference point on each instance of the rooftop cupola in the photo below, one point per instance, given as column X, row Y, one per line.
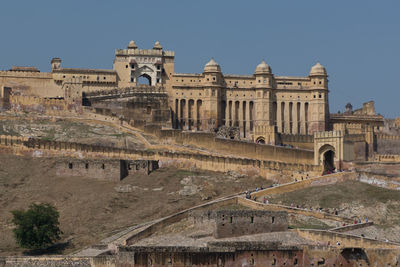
column 132, row 45
column 262, row 68
column 318, row 70
column 157, row 46
column 212, row 66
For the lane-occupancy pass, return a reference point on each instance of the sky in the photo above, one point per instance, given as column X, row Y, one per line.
column 357, row 41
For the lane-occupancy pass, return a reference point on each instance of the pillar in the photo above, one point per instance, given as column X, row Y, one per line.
column 178, row 114
column 302, row 119
column 248, row 119
column 279, row 115
column 287, row 118
column 227, row 113
column 195, row 115
column 240, row 113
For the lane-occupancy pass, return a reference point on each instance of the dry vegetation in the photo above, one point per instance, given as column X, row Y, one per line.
column 91, row 210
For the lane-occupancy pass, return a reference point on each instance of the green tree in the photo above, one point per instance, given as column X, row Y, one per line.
column 37, row 227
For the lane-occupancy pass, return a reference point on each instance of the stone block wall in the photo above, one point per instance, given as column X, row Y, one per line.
column 247, row 222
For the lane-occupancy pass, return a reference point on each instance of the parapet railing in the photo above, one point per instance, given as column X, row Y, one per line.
column 125, row 92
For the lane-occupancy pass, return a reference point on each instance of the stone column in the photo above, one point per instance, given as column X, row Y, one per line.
column 294, row 117
column 248, row 118
column 195, row 114
column 178, row 114
column 302, row 119
column 241, row 118
column 227, row 113
column 279, row 115
column 287, row 118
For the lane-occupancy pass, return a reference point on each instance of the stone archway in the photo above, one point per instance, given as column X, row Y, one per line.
column 327, row 157
column 260, row 140
column 144, row 79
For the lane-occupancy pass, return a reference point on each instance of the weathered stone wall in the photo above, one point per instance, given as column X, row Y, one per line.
column 111, row 170
column 297, row 141
column 237, row 148
column 388, row 144
column 247, row 222
column 37, row 147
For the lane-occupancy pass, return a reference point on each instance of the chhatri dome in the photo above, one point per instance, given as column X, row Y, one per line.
column 212, row 66
column 132, row 45
column 157, row 46
column 318, row 69
column 263, row 68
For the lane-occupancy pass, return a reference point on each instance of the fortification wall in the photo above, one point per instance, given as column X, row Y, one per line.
column 31, row 83
column 234, row 147
column 231, row 223
column 58, row 107
column 297, row 141
column 345, row 240
column 388, row 144
column 37, row 147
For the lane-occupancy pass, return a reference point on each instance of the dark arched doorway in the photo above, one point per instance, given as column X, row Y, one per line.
column 260, row 140
column 329, row 165
column 144, row 79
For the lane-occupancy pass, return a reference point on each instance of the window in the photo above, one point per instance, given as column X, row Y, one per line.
column 320, row 96
column 158, row 80
column 213, row 78
column 70, row 165
column 87, row 166
column 252, row 219
column 126, row 66
column 158, row 67
column 314, row 96
column 231, row 219
column 132, row 80
column 102, row 166
column 320, row 82
column 104, row 78
column 273, row 219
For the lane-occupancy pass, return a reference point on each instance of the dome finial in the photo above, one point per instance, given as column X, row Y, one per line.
column 157, row 46
column 212, row 66
column 132, row 45
column 318, row 70
column 263, row 68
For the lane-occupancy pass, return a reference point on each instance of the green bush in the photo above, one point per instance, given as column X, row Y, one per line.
column 37, row 227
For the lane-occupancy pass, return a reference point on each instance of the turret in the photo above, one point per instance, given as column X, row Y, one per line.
column 212, row 72
column 319, row 78
column 263, row 75
column 55, row 63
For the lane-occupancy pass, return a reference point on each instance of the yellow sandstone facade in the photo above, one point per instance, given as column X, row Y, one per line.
column 259, row 105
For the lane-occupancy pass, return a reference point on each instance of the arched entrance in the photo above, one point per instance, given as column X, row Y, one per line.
column 329, row 164
column 144, row 79
column 260, row 140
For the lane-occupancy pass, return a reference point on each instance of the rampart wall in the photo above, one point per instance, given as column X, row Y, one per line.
column 234, row 147
column 39, row 84
column 23, row 103
column 35, row 147
column 297, row 141
column 388, row 144
column 345, row 240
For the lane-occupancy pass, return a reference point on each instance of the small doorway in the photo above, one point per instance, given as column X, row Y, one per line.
column 329, row 165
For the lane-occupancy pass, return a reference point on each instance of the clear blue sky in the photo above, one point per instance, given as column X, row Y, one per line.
column 357, row 41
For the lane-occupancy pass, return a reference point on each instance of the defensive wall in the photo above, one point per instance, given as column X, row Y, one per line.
column 388, row 144
column 316, row 181
column 345, row 240
column 351, row 227
column 291, row 210
column 37, row 147
column 48, row 106
column 106, row 169
column 297, row 141
column 235, row 147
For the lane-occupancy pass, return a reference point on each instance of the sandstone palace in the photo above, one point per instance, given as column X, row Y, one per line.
column 143, row 90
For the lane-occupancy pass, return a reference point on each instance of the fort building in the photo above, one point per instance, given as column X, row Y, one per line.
column 201, row 101
column 143, row 90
